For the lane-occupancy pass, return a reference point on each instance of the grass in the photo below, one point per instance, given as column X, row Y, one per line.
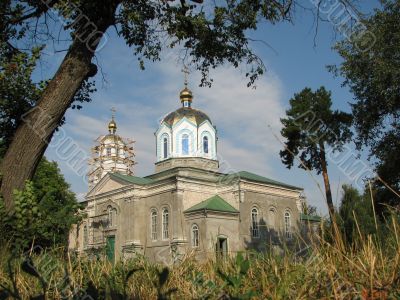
column 368, row 269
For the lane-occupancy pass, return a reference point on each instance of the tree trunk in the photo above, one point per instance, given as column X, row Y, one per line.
column 328, row 191
column 33, row 135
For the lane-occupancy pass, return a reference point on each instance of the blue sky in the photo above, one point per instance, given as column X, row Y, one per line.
column 247, row 119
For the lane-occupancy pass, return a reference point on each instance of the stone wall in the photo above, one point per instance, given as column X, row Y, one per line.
column 177, row 191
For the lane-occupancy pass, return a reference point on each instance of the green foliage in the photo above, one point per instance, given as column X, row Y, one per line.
column 309, row 128
column 208, row 38
column 207, row 289
column 373, row 76
column 44, row 210
column 356, row 215
column 57, row 204
column 310, row 124
column 210, row 35
column 327, row 270
column 235, row 281
column 309, row 210
column 23, row 225
column 116, row 282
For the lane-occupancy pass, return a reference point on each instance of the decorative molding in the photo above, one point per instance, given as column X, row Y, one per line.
column 268, row 189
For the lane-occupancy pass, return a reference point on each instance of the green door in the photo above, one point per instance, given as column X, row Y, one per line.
column 110, row 248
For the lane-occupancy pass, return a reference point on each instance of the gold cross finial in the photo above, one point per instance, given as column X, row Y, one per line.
column 113, row 110
column 186, row 72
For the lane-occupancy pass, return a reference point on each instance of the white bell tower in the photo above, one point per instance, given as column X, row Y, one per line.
column 112, row 153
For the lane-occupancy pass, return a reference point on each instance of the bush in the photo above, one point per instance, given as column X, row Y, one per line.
column 43, row 212
column 329, row 271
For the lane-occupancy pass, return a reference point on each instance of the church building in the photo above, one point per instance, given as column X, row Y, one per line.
column 188, row 205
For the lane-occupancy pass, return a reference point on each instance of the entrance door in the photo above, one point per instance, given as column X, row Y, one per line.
column 110, row 248
column 222, row 247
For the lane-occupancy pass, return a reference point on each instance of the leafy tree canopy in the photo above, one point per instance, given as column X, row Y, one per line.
column 310, row 124
column 356, row 215
column 309, row 210
column 210, row 34
column 373, row 76
column 45, row 210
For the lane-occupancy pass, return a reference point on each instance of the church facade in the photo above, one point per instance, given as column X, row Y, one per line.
column 188, row 205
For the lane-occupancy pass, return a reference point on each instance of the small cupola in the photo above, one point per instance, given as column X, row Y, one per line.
column 112, row 125
column 186, row 97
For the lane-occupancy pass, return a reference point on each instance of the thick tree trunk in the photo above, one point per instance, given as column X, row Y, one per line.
column 327, row 185
column 33, row 135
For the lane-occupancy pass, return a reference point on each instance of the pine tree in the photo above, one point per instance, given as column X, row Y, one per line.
column 310, row 127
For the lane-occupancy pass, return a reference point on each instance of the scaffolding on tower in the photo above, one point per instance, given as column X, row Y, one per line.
column 111, row 154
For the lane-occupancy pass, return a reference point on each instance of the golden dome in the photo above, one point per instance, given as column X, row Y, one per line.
column 111, row 138
column 193, row 115
column 186, row 95
column 112, row 126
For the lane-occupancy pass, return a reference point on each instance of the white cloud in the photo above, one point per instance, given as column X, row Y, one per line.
column 84, row 127
column 235, row 158
column 244, row 114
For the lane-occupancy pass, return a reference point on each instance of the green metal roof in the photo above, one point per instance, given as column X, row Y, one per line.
column 310, row 218
column 132, row 179
column 258, row 178
column 215, row 203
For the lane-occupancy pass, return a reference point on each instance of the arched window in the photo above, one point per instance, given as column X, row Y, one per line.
column 205, row 144
column 154, row 225
column 185, row 144
column 288, row 232
column 195, row 236
column 165, row 147
column 108, row 151
column 255, row 230
column 85, row 236
column 165, row 223
column 271, row 219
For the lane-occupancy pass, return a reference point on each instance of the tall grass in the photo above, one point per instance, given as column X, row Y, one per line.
column 367, row 269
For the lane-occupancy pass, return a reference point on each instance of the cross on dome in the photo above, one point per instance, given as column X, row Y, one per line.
column 186, row 95
column 186, row 73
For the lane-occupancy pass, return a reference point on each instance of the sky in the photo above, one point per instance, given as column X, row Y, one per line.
column 247, row 119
